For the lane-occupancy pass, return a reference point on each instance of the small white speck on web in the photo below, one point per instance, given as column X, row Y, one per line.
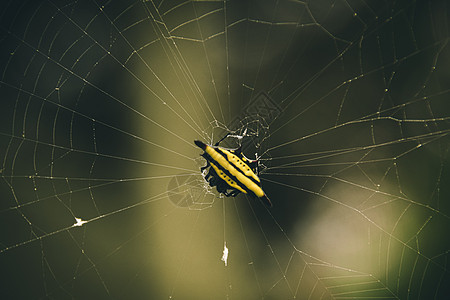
column 79, row 222
column 225, row 254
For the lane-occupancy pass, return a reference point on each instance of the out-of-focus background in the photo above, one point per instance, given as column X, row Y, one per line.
column 345, row 103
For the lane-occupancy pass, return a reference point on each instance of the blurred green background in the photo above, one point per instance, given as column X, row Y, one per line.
column 100, row 104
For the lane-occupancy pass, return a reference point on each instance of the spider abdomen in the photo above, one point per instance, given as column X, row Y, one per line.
column 231, row 172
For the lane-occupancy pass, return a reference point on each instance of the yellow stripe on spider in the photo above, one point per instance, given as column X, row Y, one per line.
column 231, row 172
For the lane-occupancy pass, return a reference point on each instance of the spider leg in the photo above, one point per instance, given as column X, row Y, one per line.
column 217, row 144
column 213, row 182
column 222, row 188
column 207, row 163
column 205, row 167
column 234, row 193
column 211, row 173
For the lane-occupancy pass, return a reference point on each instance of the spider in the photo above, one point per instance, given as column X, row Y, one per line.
column 231, row 172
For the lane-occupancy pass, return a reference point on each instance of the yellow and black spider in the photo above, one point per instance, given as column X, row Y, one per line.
column 231, row 172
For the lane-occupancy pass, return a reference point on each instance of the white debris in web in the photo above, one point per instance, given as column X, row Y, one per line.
column 79, row 222
column 239, row 137
column 225, row 254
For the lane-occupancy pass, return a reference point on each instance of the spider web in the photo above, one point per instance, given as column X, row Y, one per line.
column 101, row 102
